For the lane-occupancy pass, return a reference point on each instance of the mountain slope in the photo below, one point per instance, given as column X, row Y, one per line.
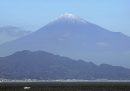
column 72, row 36
column 46, row 66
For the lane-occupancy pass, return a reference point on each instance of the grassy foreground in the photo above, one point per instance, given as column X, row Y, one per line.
column 64, row 86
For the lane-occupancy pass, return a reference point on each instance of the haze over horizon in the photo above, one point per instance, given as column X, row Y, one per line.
column 32, row 15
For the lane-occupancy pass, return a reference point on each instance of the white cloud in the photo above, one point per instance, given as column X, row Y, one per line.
column 9, row 33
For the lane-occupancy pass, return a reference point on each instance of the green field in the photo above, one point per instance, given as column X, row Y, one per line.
column 65, row 86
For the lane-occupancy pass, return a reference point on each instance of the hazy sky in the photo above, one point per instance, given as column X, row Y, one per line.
column 33, row 14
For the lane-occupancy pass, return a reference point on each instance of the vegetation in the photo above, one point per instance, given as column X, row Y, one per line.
column 66, row 86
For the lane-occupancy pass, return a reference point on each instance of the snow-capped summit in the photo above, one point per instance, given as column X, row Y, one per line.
column 69, row 17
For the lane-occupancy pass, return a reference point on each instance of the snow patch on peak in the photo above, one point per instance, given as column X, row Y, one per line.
column 68, row 18
column 69, row 15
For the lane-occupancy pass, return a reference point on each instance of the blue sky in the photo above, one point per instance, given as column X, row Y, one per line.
column 33, row 14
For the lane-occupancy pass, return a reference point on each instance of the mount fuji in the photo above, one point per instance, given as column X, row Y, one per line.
column 71, row 36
